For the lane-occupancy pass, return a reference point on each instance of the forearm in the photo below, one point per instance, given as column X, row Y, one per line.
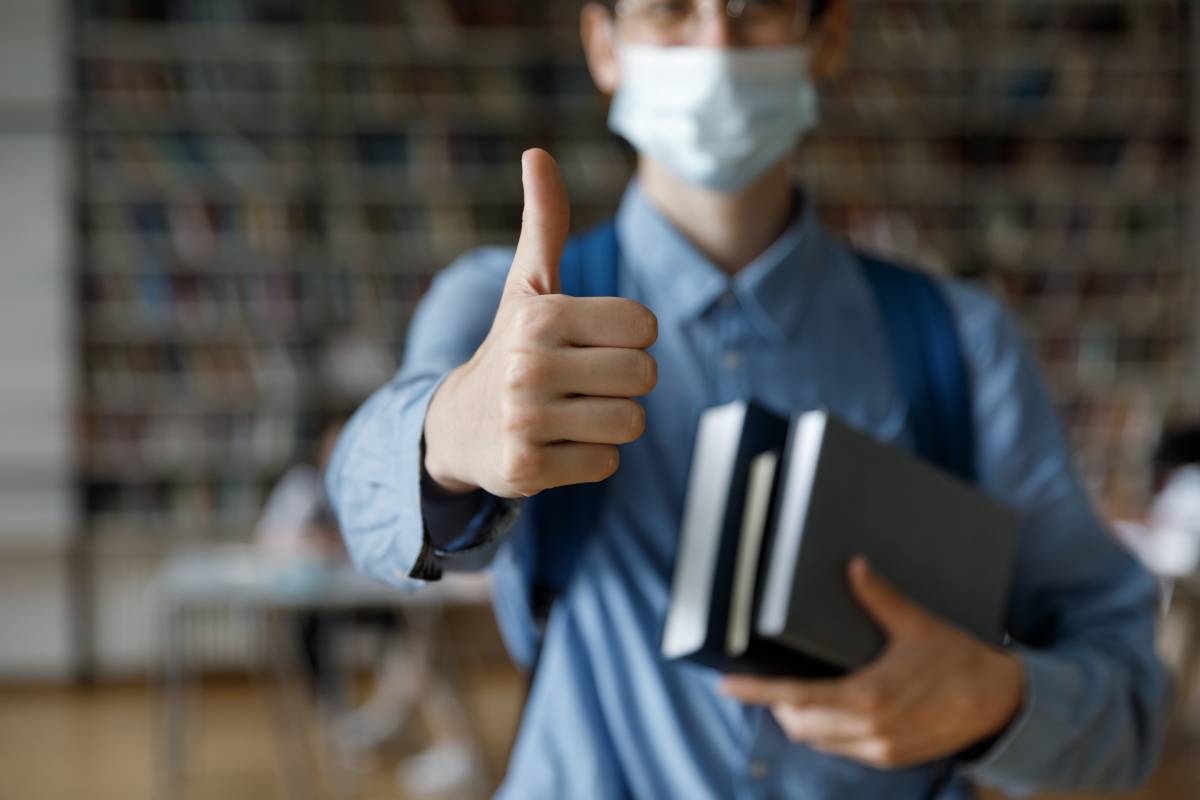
column 1082, row 611
column 373, row 480
column 1092, row 712
column 397, row 522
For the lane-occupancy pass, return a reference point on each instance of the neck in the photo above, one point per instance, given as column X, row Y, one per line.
column 730, row 228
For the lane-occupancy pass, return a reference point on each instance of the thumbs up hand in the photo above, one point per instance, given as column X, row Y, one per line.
column 547, row 397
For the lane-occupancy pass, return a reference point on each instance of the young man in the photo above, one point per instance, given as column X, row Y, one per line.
column 729, row 289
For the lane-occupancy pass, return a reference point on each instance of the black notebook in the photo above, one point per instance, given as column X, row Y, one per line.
column 781, row 603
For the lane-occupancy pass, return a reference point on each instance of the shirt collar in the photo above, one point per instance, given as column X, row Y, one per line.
column 681, row 283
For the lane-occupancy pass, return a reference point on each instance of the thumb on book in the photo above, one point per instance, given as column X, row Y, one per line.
column 887, row 605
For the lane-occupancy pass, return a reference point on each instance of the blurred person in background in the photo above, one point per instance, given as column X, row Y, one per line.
column 299, row 536
column 296, row 521
column 1167, row 541
column 1173, row 526
column 731, row 288
column 1177, row 464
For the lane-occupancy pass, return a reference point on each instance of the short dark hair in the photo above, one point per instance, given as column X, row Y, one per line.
column 818, row 7
column 1178, row 447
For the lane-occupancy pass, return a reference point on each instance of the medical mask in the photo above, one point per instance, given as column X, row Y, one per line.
column 718, row 117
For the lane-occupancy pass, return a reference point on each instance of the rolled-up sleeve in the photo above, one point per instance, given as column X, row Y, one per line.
column 1083, row 612
column 374, row 480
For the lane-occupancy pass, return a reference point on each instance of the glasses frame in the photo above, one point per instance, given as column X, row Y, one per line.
column 734, row 9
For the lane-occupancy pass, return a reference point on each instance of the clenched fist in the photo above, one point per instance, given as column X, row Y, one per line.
column 547, row 397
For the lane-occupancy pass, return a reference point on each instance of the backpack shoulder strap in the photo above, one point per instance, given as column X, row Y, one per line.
column 536, row 563
column 589, row 268
column 590, row 263
column 928, row 362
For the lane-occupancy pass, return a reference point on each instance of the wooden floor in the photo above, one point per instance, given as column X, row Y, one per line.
column 106, row 743
column 101, row 744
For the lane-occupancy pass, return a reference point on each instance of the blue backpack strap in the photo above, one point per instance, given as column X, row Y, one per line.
column 536, row 563
column 590, row 261
column 927, row 359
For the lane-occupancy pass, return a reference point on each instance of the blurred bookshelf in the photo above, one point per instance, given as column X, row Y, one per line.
column 258, row 175
column 1046, row 150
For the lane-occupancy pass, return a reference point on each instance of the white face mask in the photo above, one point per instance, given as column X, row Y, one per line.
column 717, row 117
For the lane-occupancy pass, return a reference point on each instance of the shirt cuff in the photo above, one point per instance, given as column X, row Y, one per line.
column 375, row 484
column 461, row 531
column 1051, row 690
column 474, row 549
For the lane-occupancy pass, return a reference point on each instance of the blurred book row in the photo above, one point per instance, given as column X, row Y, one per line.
column 259, row 176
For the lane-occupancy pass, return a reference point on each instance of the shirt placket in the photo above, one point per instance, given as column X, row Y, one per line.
column 731, row 339
column 759, row 778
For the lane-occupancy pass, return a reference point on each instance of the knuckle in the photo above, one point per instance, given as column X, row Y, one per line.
column 526, row 370
column 797, row 696
column 542, row 317
column 521, row 465
column 877, row 728
column 521, row 419
column 876, row 752
column 873, row 699
column 887, row 752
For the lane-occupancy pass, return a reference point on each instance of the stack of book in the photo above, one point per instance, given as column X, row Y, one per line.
column 775, row 511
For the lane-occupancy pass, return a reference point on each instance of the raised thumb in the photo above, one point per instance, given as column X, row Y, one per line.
column 545, row 224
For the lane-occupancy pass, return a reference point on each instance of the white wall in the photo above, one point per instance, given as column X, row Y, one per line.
column 37, row 503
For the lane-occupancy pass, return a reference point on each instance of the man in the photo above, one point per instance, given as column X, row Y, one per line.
column 731, row 289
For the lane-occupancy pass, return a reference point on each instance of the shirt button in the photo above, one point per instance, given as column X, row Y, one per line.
column 728, row 298
column 758, row 769
column 731, row 359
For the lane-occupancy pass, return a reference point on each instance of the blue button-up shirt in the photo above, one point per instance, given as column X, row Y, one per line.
column 797, row 328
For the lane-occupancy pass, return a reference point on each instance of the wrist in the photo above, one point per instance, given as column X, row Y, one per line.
column 436, row 447
column 1008, row 687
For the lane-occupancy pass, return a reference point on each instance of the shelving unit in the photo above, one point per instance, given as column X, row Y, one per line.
column 257, row 175
column 1046, row 149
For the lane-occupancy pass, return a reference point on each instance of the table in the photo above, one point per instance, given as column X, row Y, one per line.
column 241, row 579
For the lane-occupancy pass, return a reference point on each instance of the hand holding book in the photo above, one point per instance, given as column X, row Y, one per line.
column 933, row 691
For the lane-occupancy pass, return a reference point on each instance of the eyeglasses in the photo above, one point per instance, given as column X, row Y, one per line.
column 684, row 18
